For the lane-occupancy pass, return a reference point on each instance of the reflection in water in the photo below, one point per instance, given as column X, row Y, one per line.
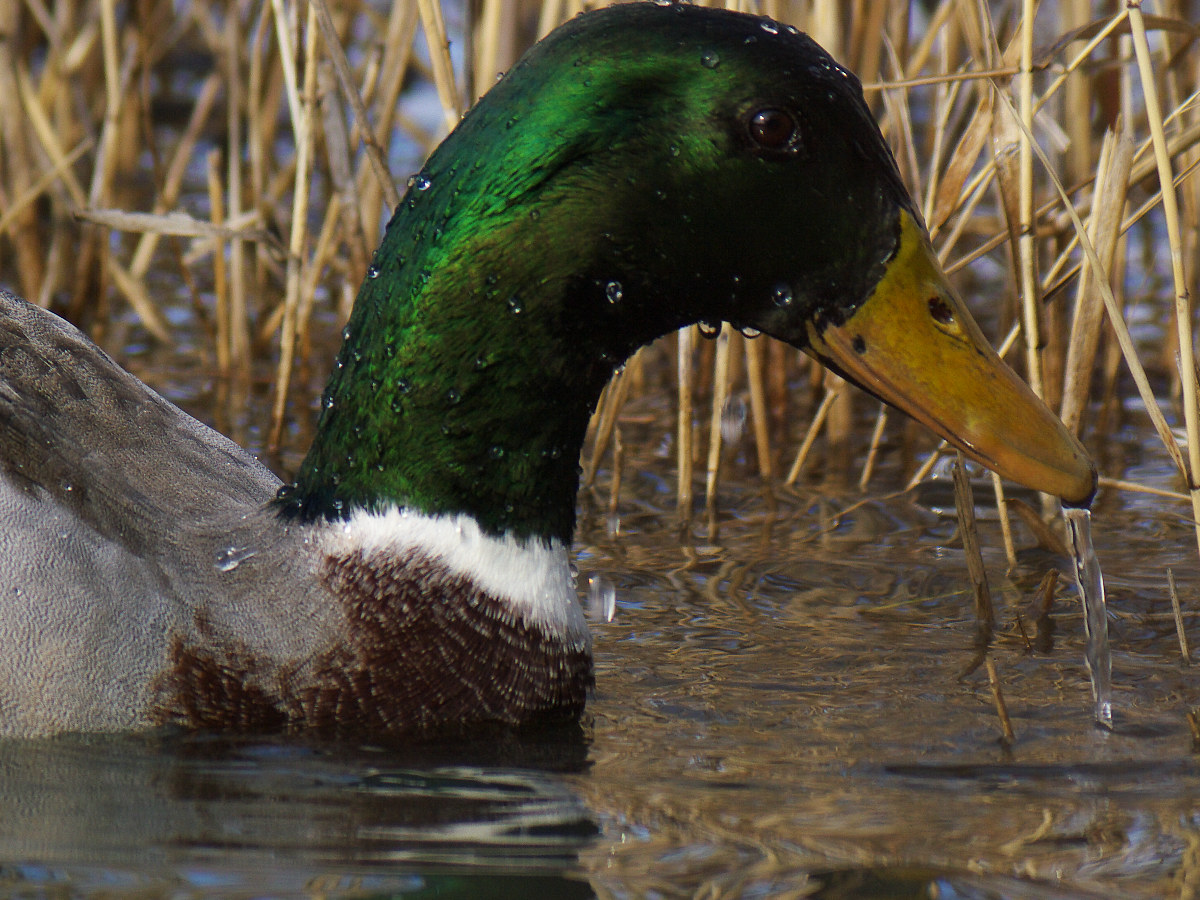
column 792, row 703
column 921, row 883
column 781, row 714
column 198, row 816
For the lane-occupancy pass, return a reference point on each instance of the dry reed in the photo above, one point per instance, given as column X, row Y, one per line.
column 1006, row 729
column 204, row 141
column 1177, row 613
column 985, row 616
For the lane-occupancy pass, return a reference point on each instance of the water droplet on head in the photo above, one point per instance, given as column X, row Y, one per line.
column 346, row 333
column 749, row 333
column 229, row 558
column 614, row 292
column 709, row 330
column 420, row 182
column 496, row 451
column 372, row 271
column 782, row 295
column 710, row 60
column 769, row 26
column 453, row 395
column 515, row 306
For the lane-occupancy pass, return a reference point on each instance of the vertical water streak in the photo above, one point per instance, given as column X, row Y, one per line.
column 1095, row 611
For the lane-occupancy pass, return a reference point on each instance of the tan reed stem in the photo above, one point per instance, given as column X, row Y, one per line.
column 758, row 407
column 302, row 126
column 683, row 441
column 333, row 47
column 720, row 392
column 443, row 67
column 1183, row 305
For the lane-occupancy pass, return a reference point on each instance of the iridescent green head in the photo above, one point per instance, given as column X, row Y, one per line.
column 643, row 168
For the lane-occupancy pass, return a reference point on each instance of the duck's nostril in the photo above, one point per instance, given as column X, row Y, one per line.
column 941, row 311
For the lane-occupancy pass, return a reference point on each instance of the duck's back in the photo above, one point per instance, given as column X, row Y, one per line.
column 104, row 487
column 76, row 427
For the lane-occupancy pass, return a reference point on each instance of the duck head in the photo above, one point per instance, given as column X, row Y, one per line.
column 764, row 195
column 644, row 168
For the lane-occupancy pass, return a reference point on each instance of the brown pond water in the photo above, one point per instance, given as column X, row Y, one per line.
column 782, row 713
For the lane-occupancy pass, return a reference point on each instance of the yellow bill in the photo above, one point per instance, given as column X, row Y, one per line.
column 913, row 344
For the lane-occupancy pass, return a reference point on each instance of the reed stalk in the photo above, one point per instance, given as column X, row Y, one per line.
column 1183, row 305
column 259, row 265
column 720, row 392
column 683, row 438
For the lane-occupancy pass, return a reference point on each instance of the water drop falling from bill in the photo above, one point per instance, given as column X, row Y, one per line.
column 1095, row 612
column 602, row 599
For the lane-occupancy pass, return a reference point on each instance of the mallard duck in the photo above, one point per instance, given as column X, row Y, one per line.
column 643, row 168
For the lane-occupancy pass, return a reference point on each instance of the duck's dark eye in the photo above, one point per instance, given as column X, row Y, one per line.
column 774, row 129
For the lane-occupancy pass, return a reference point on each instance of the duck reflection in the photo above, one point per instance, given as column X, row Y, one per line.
column 482, row 818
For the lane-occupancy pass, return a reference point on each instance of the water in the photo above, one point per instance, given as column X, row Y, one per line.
column 780, row 714
column 783, row 713
column 1095, row 611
